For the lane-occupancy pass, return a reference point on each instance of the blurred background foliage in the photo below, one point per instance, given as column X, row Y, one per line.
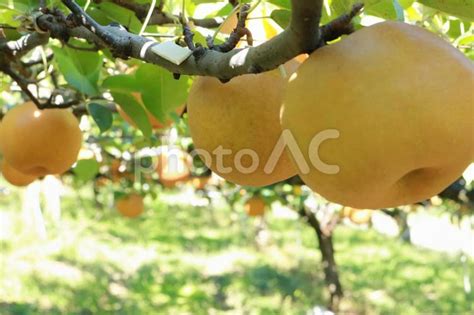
column 180, row 258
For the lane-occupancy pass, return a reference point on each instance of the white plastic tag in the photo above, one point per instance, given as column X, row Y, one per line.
column 172, row 52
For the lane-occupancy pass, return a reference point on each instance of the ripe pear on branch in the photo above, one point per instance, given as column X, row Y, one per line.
column 401, row 102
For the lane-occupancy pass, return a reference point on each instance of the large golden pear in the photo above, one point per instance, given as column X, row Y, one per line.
column 391, row 110
column 40, row 142
column 15, row 177
column 240, row 119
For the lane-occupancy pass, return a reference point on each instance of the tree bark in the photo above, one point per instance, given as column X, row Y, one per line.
column 326, row 247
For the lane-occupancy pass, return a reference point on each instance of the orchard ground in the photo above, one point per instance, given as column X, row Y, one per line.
column 184, row 256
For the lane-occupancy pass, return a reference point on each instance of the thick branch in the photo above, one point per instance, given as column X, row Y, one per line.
column 302, row 36
column 23, row 45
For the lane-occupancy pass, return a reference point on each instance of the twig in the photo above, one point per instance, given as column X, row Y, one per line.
column 37, row 61
column 234, row 11
column 188, row 37
column 50, row 105
column 239, row 32
column 22, row 83
column 341, row 25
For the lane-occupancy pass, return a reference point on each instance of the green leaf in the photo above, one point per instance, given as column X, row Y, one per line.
column 86, row 170
column 458, row 28
column 133, row 109
column 281, row 17
column 20, row 6
column 466, row 39
column 121, row 83
column 101, row 115
column 284, row 4
column 99, row 15
column 385, row 9
column 9, row 17
column 11, row 34
column 460, row 8
column 161, row 93
column 406, row 3
column 470, row 55
column 120, row 15
column 224, row 11
column 81, row 69
column 339, row 7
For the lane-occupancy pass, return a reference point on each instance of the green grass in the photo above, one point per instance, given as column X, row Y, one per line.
column 196, row 260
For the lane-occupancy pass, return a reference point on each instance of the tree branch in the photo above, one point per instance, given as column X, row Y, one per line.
column 23, row 45
column 302, row 36
column 22, row 83
column 37, row 61
column 234, row 3
column 326, row 248
column 340, row 26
